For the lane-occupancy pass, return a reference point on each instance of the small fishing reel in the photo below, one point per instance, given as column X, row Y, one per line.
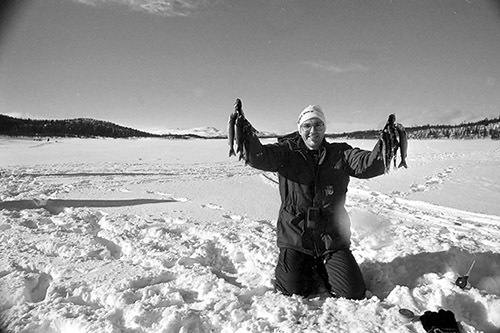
column 462, row 281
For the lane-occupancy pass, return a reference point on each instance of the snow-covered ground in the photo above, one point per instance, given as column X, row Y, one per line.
column 152, row 235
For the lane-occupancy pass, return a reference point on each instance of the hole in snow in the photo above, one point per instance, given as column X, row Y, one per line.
column 36, row 287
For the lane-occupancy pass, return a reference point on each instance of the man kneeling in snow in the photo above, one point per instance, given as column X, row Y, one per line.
column 313, row 227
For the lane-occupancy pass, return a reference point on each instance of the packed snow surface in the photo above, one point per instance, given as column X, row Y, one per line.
column 153, row 235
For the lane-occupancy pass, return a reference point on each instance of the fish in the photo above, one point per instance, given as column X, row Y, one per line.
column 390, row 142
column 238, row 107
column 239, row 137
column 235, row 130
column 403, row 144
column 239, row 128
column 231, row 132
column 394, row 137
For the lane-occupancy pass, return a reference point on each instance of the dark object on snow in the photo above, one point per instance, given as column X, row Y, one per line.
column 439, row 322
column 462, row 280
column 407, row 313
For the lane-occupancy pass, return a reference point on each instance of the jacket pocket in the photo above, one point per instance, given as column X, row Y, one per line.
column 295, row 222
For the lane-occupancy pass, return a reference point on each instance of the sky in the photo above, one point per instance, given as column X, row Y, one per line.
column 161, row 64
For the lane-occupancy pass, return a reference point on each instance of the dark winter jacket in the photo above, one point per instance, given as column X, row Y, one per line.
column 314, row 179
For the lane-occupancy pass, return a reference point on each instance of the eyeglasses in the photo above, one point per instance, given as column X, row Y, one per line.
column 307, row 126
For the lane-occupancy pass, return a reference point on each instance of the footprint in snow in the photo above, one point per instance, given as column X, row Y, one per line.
column 159, row 193
column 433, row 182
column 234, row 217
column 212, row 206
column 36, row 287
column 418, row 188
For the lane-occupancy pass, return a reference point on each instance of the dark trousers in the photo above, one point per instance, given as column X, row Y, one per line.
column 302, row 274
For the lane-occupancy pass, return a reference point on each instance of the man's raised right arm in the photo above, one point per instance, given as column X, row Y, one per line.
column 263, row 157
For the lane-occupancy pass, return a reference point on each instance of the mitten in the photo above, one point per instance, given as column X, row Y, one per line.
column 439, row 322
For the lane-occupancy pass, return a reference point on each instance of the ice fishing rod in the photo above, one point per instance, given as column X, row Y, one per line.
column 462, row 280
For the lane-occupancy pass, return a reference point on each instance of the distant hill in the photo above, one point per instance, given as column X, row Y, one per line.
column 85, row 127
column 203, row 132
column 81, row 127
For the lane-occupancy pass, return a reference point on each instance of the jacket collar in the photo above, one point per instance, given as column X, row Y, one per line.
column 297, row 144
column 295, row 139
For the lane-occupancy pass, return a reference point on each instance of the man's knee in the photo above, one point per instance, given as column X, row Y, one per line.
column 293, row 273
column 344, row 276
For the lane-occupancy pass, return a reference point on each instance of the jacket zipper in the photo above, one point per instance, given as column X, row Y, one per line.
column 314, row 166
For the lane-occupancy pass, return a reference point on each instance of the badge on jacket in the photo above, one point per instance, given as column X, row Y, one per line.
column 329, row 190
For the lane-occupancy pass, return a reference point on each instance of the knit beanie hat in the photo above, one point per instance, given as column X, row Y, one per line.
column 311, row 111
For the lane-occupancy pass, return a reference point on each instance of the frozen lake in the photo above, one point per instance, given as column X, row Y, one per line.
column 152, row 235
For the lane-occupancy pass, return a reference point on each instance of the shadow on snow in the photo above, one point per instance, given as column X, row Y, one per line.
column 56, row 206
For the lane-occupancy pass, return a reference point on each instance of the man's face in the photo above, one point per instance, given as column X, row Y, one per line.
column 312, row 132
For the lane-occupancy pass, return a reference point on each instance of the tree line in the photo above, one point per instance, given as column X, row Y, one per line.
column 85, row 127
column 486, row 128
column 81, row 127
